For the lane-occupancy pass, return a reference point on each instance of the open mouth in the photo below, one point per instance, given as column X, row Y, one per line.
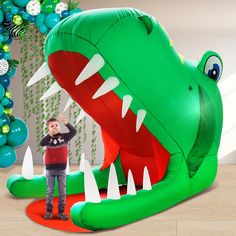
column 123, row 132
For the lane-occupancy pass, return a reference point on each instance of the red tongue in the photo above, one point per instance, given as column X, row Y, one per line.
column 156, row 163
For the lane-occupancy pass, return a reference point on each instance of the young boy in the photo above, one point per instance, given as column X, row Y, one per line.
column 56, row 161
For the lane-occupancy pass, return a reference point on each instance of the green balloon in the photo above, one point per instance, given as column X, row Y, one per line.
column 18, row 134
column 55, row 1
column 3, row 139
column 48, row 8
column 8, row 156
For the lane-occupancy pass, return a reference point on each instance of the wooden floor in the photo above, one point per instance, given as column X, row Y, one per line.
column 211, row 213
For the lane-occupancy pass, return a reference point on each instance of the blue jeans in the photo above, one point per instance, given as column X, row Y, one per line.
column 51, row 175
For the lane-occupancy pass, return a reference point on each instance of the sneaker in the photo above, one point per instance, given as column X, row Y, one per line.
column 48, row 215
column 62, row 216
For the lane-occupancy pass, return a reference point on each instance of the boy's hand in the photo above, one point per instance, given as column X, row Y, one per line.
column 63, row 119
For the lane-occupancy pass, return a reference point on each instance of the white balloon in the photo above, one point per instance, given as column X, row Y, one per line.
column 33, row 7
column 60, row 7
column 4, row 66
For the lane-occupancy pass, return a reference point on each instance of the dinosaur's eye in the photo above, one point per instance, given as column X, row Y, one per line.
column 213, row 68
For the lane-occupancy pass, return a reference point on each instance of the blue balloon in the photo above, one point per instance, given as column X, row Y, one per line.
column 1, row 16
column 9, row 40
column 2, row 92
column 5, row 119
column 21, row 3
column 21, row 11
column 10, row 104
column 1, row 54
column 1, row 109
column 31, row 18
column 3, row 139
column 65, row 13
column 9, row 16
column 18, row 133
column 8, row 156
column 51, row 20
column 1, row 29
column 4, row 81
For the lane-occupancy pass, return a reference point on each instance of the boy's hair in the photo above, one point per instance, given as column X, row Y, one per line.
column 51, row 120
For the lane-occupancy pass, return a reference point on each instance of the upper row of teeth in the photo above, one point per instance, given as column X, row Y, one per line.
column 93, row 66
column 90, row 185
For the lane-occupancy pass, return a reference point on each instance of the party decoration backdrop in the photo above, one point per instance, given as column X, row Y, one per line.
column 16, row 18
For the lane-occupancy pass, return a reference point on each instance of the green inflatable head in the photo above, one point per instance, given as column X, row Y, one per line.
column 160, row 114
column 121, row 60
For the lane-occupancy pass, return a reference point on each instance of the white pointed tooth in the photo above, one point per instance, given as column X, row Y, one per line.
column 113, row 191
column 80, row 116
column 107, row 86
column 82, row 163
column 68, row 103
column 146, row 180
column 140, row 118
column 127, row 99
column 93, row 66
column 68, row 166
column 44, row 171
column 42, row 72
column 27, row 166
column 90, row 185
column 131, row 190
column 55, row 87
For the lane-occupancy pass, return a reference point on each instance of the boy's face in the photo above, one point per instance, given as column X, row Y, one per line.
column 54, row 128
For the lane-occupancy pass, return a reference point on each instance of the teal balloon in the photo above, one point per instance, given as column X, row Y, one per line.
column 3, row 139
column 51, row 20
column 40, row 19
column 7, row 156
column 21, row 3
column 43, row 29
column 1, row 16
column 2, row 92
column 6, row 6
column 1, row 109
column 11, row 73
column 14, row 10
column 18, row 133
column 5, row 101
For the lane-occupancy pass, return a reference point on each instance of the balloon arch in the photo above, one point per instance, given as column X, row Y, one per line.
column 15, row 16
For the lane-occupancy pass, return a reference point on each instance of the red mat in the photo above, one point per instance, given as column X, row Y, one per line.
column 36, row 211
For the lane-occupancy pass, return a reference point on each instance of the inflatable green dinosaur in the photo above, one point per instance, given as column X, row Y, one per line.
column 156, row 110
